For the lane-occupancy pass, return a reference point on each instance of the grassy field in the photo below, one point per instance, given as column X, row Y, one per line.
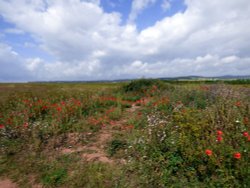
column 145, row 133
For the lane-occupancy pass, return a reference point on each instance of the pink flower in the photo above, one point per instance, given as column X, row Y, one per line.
column 1, row 126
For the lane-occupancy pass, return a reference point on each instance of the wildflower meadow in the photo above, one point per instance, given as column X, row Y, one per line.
column 143, row 133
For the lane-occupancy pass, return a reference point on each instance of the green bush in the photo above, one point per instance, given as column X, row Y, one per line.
column 144, row 85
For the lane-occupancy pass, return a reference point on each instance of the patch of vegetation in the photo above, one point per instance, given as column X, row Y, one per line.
column 115, row 145
column 131, row 98
column 192, row 145
column 54, row 176
column 170, row 135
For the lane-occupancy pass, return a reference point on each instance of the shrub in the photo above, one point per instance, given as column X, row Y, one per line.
column 144, row 85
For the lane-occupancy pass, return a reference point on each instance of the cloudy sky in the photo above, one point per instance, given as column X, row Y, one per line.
column 113, row 39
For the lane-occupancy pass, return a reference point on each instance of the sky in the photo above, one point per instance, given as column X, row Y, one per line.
column 52, row 40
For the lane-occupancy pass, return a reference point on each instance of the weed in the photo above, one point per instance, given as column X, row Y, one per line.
column 115, row 145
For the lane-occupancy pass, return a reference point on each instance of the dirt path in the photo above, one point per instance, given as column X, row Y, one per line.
column 95, row 151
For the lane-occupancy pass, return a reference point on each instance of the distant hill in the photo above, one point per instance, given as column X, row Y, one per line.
column 225, row 77
column 191, row 78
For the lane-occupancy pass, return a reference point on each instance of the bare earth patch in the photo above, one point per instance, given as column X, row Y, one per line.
column 6, row 183
column 94, row 151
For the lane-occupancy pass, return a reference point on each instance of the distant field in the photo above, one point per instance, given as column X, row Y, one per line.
column 26, row 87
column 144, row 133
column 204, row 81
column 39, row 88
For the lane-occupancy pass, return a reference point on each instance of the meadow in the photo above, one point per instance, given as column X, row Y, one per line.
column 143, row 133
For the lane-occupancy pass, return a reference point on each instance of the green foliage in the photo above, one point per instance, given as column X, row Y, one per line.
column 131, row 98
column 115, row 145
column 238, row 81
column 115, row 114
column 54, row 176
column 143, row 85
column 171, row 150
column 95, row 175
column 138, row 120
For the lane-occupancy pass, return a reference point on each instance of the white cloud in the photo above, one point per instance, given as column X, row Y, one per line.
column 137, row 7
column 165, row 5
column 12, row 65
column 13, row 31
column 207, row 65
column 210, row 38
column 33, row 64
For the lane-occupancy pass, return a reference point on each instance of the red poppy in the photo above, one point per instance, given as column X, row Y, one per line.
column 25, row 101
column 78, row 103
column 110, row 110
column 245, row 134
column 219, row 133
column 208, row 152
column 237, row 155
column 238, row 104
column 1, row 126
column 44, row 107
column 219, row 138
column 130, row 126
column 59, row 109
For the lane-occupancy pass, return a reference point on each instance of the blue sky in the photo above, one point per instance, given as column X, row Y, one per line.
column 151, row 14
column 113, row 39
